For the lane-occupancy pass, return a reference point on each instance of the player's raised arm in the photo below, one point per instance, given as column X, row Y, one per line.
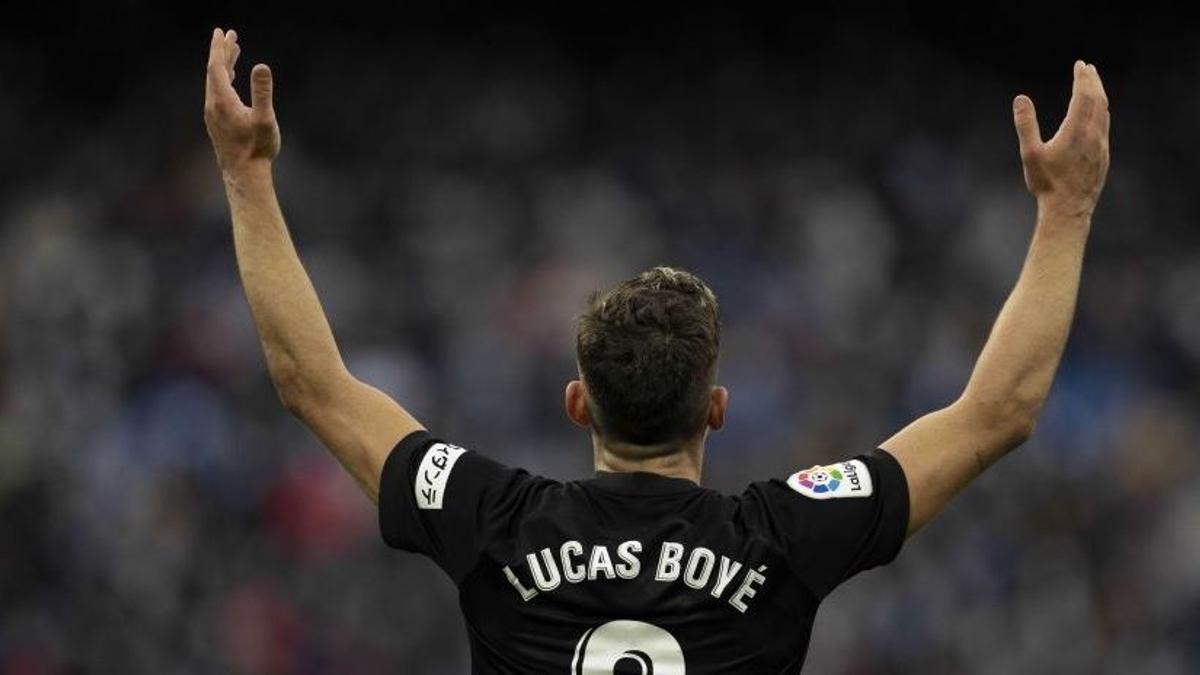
column 357, row 422
column 944, row 450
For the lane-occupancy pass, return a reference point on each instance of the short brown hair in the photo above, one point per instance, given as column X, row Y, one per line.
column 647, row 350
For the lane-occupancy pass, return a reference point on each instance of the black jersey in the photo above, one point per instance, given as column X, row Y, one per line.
column 638, row 572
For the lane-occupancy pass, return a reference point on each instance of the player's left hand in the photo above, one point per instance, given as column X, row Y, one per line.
column 1067, row 172
column 240, row 134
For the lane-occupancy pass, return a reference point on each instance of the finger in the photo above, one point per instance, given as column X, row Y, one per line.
column 218, row 71
column 212, row 85
column 1102, row 118
column 1025, row 120
column 1083, row 100
column 1077, row 88
column 234, row 50
column 1099, row 84
column 219, row 87
column 216, row 48
column 261, row 86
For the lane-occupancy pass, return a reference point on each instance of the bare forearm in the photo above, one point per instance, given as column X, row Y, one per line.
column 1016, row 367
column 357, row 422
column 943, row 451
column 296, row 337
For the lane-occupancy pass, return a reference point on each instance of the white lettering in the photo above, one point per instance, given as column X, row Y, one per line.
column 746, row 590
column 574, row 573
column 729, row 569
column 601, row 561
column 630, row 566
column 548, row 579
column 668, row 561
column 699, row 567
column 526, row 593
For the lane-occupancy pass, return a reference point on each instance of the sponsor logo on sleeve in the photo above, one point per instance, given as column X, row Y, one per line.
column 430, row 484
column 833, row 481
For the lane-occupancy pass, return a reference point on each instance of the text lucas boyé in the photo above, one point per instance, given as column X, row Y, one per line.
column 702, row 568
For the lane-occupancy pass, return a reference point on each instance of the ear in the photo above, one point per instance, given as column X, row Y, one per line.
column 575, row 399
column 718, row 401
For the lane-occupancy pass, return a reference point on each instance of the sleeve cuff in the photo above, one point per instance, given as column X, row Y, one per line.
column 893, row 486
column 395, row 489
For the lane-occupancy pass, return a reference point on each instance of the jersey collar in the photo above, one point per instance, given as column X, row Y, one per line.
column 641, row 483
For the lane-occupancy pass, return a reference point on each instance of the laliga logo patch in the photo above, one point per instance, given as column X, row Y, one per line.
column 847, row 479
column 820, row 480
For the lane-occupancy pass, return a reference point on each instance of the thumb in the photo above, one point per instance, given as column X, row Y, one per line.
column 1025, row 119
column 260, row 88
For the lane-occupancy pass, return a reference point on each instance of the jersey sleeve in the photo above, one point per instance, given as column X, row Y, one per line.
column 443, row 501
column 835, row 521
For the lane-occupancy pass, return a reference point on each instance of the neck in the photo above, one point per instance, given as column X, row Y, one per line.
column 681, row 461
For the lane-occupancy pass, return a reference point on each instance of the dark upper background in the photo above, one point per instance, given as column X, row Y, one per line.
column 457, row 180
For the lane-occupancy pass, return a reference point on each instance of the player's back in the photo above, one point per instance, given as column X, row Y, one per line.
column 638, row 572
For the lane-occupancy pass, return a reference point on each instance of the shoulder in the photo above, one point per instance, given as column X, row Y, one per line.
column 852, row 492
column 438, row 478
column 442, row 500
column 860, row 477
column 433, row 462
column 853, row 513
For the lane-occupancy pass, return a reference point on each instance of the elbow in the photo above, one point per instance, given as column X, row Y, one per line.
column 296, row 389
column 1022, row 415
column 293, row 401
column 1021, row 429
column 290, row 388
column 1009, row 419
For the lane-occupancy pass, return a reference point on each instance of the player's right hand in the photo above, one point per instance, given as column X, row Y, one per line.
column 240, row 134
column 1067, row 172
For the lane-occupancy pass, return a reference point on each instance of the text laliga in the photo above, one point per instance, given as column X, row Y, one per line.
column 549, row 569
column 852, row 476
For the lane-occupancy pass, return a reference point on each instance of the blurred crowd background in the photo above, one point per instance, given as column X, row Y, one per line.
column 456, row 186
